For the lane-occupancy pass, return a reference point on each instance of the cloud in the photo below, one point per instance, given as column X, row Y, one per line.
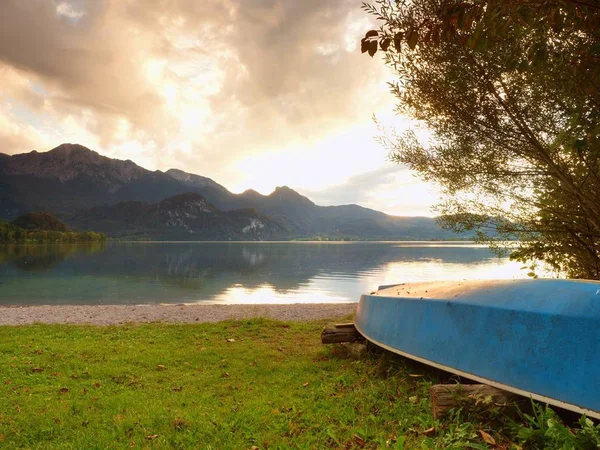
column 216, row 87
column 390, row 188
column 258, row 64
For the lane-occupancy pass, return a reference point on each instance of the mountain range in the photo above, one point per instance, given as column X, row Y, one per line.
column 89, row 191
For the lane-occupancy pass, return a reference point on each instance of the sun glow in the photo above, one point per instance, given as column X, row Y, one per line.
column 249, row 96
column 267, row 294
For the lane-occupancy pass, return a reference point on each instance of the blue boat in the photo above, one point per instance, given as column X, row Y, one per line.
column 536, row 338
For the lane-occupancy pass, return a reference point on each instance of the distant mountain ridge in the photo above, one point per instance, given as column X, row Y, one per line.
column 90, row 191
column 70, row 161
column 184, row 216
column 195, row 180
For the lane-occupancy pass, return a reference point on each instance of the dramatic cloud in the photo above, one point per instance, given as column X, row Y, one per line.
column 252, row 93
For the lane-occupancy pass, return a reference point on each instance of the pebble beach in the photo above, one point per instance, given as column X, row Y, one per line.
column 121, row 314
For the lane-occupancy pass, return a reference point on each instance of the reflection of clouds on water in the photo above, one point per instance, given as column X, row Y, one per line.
column 335, row 286
column 237, row 272
column 254, row 258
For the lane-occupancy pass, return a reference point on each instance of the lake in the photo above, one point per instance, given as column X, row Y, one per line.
column 232, row 272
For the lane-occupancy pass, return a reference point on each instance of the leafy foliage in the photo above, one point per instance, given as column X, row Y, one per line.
column 544, row 429
column 10, row 233
column 510, row 92
column 40, row 221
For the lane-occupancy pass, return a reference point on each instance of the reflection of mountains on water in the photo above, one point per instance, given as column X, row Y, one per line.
column 214, row 267
column 44, row 257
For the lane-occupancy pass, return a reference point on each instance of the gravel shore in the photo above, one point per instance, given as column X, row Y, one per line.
column 119, row 314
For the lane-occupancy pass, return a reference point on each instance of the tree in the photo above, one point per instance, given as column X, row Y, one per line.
column 510, row 92
column 40, row 221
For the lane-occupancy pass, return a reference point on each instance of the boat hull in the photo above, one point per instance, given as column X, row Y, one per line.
column 539, row 338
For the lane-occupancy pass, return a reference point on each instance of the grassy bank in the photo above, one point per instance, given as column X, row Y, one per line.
column 230, row 385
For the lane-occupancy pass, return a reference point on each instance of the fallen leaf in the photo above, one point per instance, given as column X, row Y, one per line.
column 226, row 374
column 305, row 384
column 63, row 390
column 202, row 349
column 178, row 388
column 428, row 431
column 161, row 367
column 487, row 437
column 230, row 340
column 415, row 375
column 7, row 382
column 2, row 437
column 37, row 369
column 360, row 441
column 152, row 436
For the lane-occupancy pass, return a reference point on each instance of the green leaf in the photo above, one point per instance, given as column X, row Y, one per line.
column 472, row 41
column 579, row 144
column 512, row 64
column 398, row 40
column 372, row 48
column 540, row 56
column 411, row 38
column 523, row 66
column 385, row 43
column 364, row 46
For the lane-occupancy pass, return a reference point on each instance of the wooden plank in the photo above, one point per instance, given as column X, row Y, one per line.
column 345, row 325
column 341, row 334
column 445, row 397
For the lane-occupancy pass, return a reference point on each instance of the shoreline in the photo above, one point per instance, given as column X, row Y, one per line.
column 126, row 314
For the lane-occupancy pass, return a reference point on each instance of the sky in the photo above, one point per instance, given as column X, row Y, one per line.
column 251, row 93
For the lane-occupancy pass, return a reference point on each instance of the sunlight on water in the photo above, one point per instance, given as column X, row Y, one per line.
column 278, row 272
column 266, row 294
column 440, row 270
column 342, row 287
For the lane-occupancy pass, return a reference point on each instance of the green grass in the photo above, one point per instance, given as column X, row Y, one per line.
column 230, row 385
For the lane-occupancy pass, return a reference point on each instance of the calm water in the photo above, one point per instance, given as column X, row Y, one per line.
column 136, row 273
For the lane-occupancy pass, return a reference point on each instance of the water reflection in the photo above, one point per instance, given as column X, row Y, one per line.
column 231, row 272
column 44, row 257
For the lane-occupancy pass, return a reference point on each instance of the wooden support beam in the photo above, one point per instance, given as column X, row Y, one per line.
column 445, row 397
column 345, row 325
column 343, row 332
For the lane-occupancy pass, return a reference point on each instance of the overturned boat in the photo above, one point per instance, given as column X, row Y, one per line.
column 537, row 338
